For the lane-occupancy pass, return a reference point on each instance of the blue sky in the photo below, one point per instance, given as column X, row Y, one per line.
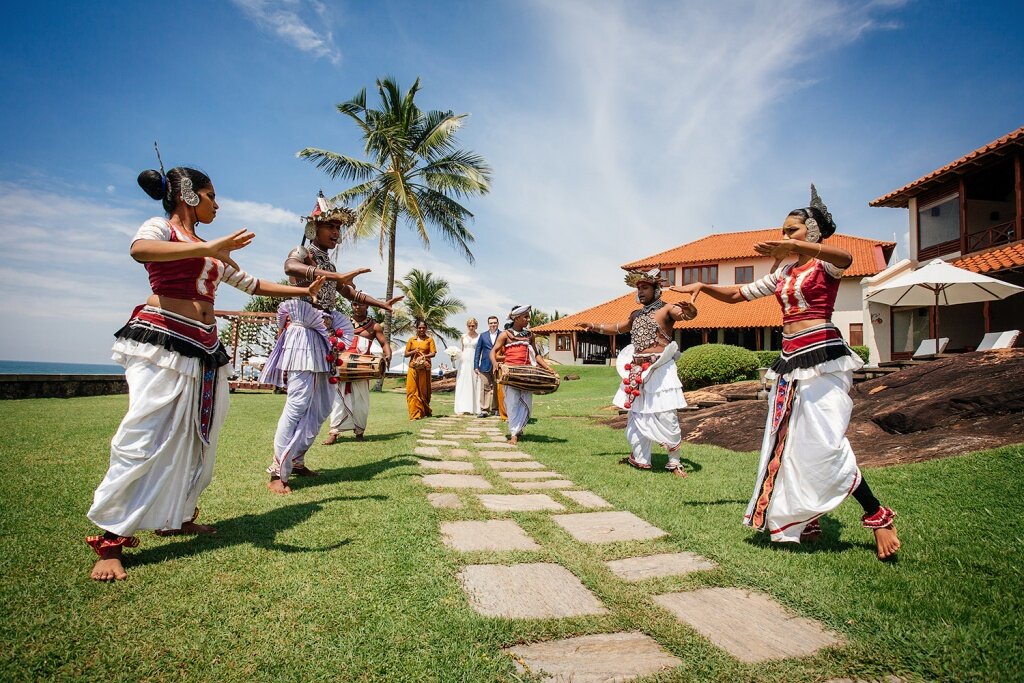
column 615, row 129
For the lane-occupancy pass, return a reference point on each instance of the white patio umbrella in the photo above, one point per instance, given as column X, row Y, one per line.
column 940, row 284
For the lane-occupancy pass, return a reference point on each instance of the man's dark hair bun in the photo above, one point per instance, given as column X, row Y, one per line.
column 153, row 184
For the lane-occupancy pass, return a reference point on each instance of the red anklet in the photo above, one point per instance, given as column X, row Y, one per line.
column 101, row 543
column 882, row 519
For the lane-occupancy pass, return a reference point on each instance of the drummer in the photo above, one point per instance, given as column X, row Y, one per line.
column 352, row 399
column 650, row 389
column 517, row 345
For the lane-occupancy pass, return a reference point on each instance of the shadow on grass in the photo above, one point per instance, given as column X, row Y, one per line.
column 829, row 542
column 370, row 437
column 259, row 530
column 702, row 503
column 355, row 473
column 539, row 438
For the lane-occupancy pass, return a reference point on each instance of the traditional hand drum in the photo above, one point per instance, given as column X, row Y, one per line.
column 353, row 367
column 530, row 378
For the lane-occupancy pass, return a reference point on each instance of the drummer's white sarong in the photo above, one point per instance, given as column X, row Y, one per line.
column 352, row 400
column 159, row 463
column 807, row 467
column 518, row 404
column 652, row 415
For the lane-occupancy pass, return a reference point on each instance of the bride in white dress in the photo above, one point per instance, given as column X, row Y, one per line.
column 468, row 383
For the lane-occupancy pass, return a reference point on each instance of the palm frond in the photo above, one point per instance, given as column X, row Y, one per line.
column 335, row 165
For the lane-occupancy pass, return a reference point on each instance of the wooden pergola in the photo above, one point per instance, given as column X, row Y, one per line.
column 237, row 319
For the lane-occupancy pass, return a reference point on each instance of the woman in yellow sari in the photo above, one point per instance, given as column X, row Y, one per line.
column 419, row 350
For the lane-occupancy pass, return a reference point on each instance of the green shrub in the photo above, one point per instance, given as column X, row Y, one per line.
column 707, row 364
column 766, row 358
column 862, row 351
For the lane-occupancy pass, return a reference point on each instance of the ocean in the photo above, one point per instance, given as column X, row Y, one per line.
column 27, row 367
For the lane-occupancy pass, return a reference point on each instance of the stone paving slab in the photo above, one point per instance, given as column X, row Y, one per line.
column 750, row 626
column 456, row 481
column 549, row 484
column 594, row 659
column 447, row 465
column 504, row 455
column 516, row 464
column 527, row 591
column 445, row 500
column 526, row 474
column 606, row 527
column 491, row 534
column 587, row 499
column 427, row 450
column 458, row 453
column 437, row 442
column 494, row 430
column 518, row 502
column 494, row 444
column 460, row 436
column 652, row 566
column 427, row 431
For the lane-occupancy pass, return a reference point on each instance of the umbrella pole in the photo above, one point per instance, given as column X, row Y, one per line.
column 936, row 321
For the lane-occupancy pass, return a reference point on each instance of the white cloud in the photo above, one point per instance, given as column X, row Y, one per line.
column 285, row 19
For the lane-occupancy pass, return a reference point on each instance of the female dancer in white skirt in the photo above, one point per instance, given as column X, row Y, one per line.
column 162, row 456
column 807, row 467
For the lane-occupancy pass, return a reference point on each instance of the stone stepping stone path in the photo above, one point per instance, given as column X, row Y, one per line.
column 667, row 564
column 445, row 500
column 524, row 502
column 504, row 455
column 492, row 534
column 456, row 481
column 527, row 591
column 594, row 659
column 587, row 499
column 533, row 485
column 750, row 626
column 447, row 465
column 515, row 464
column 607, row 527
column 527, row 474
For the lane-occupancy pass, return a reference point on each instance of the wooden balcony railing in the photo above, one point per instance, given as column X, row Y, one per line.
column 991, row 237
column 936, row 250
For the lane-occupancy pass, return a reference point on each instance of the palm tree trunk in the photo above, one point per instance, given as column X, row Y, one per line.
column 389, row 316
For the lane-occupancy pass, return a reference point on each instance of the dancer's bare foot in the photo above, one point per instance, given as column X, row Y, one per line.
column 188, row 528
column 279, row 487
column 677, row 471
column 109, row 567
column 887, row 542
column 331, row 439
column 304, row 472
column 514, row 439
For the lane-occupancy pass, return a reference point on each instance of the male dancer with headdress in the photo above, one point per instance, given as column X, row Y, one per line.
column 311, row 333
column 650, row 389
column 352, row 399
column 517, row 345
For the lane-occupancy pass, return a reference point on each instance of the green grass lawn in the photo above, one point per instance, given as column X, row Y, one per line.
column 347, row 580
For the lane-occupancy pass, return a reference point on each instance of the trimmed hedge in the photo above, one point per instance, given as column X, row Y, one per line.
column 766, row 358
column 707, row 364
column 862, row 351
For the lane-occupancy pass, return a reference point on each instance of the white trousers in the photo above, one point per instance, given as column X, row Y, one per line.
column 351, row 407
column 807, row 467
column 159, row 463
column 518, row 404
column 645, row 429
column 309, row 402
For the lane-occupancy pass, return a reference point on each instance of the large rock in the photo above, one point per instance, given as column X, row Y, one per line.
column 949, row 406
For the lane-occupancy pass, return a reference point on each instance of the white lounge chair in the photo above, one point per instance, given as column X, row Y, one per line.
column 998, row 340
column 928, row 349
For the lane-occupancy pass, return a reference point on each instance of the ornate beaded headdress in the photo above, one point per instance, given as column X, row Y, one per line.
column 326, row 212
column 653, row 277
column 813, row 229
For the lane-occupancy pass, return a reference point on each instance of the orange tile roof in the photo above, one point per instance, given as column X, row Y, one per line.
column 899, row 198
column 869, row 256
column 1011, row 256
column 711, row 314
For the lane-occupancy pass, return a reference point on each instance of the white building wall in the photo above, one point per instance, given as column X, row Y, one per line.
column 878, row 317
column 849, row 307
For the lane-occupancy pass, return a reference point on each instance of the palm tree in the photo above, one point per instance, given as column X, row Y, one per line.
column 413, row 175
column 427, row 298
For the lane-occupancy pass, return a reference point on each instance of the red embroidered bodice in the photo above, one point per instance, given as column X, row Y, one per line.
column 192, row 279
column 806, row 292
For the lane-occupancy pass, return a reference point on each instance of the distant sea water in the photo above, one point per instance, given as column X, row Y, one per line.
column 27, row 367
